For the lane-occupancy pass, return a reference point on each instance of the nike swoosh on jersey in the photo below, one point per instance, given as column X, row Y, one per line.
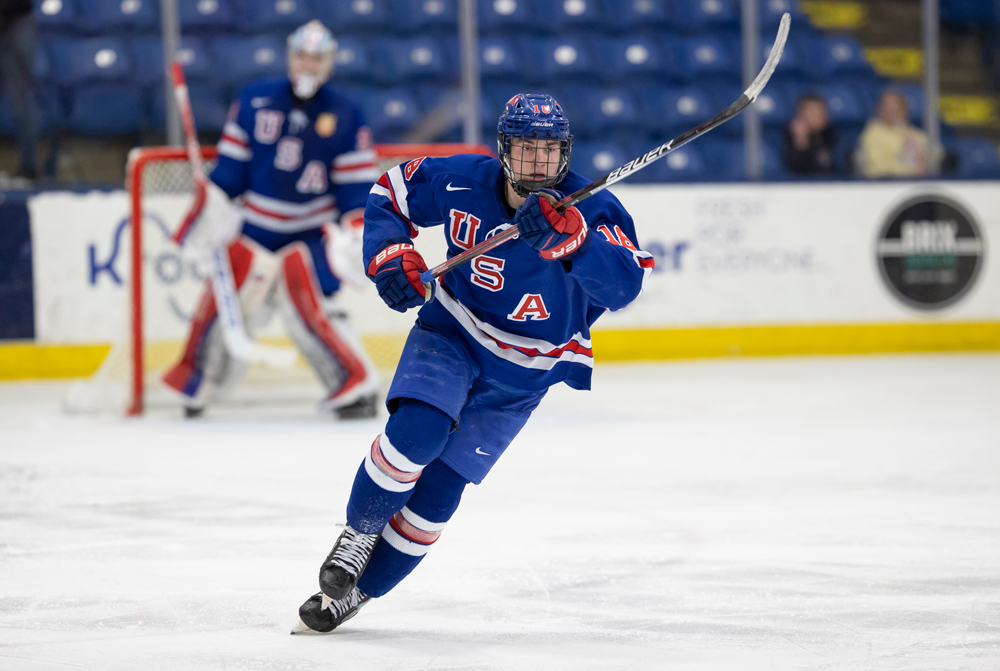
column 479, row 450
column 259, row 101
column 449, row 187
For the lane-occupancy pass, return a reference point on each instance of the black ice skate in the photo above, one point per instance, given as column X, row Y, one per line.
column 365, row 407
column 315, row 618
column 340, row 571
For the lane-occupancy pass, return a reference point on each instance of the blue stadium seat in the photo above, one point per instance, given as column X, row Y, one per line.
column 977, row 158
column 724, row 160
column 407, row 60
column 843, row 104
column 771, row 12
column 206, row 15
column 389, row 113
column 241, row 59
column 411, row 16
column 592, row 112
column 791, row 65
column 56, row 14
column 685, row 164
column 499, row 58
column 257, row 16
column 557, row 59
column 49, row 109
column 93, row 113
column 825, row 57
column 695, row 59
column 75, row 60
column 209, row 106
column 351, row 61
column 594, row 160
column 631, row 15
column 669, row 110
column 193, row 54
column 562, row 16
column 504, row 16
column 706, row 15
column 630, row 58
column 970, row 12
column 349, row 17
column 42, row 68
column 108, row 16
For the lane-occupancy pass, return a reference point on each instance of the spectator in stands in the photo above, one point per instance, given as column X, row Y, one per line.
column 810, row 140
column 17, row 59
column 890, row 145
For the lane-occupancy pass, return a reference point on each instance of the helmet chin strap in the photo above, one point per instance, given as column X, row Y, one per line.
column 305, row 86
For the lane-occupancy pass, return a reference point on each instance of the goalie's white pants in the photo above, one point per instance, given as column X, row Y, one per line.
column 266, row 281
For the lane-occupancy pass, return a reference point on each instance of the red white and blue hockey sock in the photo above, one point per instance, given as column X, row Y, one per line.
column 412, row 531
column 414, row 436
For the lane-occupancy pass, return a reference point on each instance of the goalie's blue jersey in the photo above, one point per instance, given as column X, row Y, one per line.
column 525, row 321
column 297, row 164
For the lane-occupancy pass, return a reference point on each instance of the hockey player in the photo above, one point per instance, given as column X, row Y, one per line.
column 496, row 335
column 295, row 156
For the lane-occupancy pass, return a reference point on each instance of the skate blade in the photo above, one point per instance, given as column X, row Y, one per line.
column 300, row 627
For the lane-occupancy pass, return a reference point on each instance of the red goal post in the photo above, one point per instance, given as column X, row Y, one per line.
column 167, row 170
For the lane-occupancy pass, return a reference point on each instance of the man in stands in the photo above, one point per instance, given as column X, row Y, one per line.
column 295, row 157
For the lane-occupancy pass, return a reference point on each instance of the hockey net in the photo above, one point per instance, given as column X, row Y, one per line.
column 165, row 286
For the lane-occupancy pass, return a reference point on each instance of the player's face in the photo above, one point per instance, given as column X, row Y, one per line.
column 303, row 63
column 535, row 160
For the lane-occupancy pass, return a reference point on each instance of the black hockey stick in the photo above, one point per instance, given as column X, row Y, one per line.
column 744, row 101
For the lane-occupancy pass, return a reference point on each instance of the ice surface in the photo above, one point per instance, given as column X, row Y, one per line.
column 814, row 514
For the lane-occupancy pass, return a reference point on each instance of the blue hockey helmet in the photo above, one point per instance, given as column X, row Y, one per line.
column 533, row 116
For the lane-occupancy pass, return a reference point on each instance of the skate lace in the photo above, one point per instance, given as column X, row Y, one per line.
column 353, row 550
column 342, row 607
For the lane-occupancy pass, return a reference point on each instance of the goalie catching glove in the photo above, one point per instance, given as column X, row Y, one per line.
column 396, row 272
column 215, row 225
column 554, row 235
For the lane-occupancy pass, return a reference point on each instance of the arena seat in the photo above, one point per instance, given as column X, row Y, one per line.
column 971, row 12
column 706, row 15
column 262, row 16
column 405, row 60
column 630, row 59
column 110, row 16
column 725, row 161
column 684, row 164
column 504, row 16
column 827, row 57
column 356, row 16
column 241, row 59
column 673, row 110
column 351, row 60
column 50, row 111
column 499, row 59
column 568, row 16
column 209, row 105
column 843, row 104
column 593, row 111
column 76, row 60
column 390, row 113
column 193, row 54
column 627, row 16
column 558, row 59
column 206, row 15
column 594, row 160
column 424, row 16
column 771, row 12
column 695, row 59
column 977, row 158
column 55, row 14
column 92, row 114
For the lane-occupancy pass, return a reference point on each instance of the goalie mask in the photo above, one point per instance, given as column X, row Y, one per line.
column 534, row 142
column 310, row 58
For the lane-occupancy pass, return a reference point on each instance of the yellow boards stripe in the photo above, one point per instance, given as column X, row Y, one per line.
column 835, row 15
column 896, row 62
column 26, row 360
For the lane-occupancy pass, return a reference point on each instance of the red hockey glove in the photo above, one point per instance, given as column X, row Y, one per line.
column 553, row 235
column 396, row 272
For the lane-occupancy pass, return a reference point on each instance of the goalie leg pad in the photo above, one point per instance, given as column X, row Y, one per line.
column 414, row 436
column 205, row 366
column 322, row 332
column 413, row 530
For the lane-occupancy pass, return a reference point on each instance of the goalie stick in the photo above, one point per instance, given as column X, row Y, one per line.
column 744, row 101
column 234, row 333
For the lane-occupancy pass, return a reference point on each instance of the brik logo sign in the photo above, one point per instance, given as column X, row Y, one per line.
column 930, row 252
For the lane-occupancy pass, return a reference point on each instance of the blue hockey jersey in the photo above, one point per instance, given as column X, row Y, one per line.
column 297, row 164
column 526, row 320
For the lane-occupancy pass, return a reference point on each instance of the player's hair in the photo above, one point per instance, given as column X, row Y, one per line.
column 809, row 98
column 533, row 116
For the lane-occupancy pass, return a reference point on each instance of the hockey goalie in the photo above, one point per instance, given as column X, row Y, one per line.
column 283, row 214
